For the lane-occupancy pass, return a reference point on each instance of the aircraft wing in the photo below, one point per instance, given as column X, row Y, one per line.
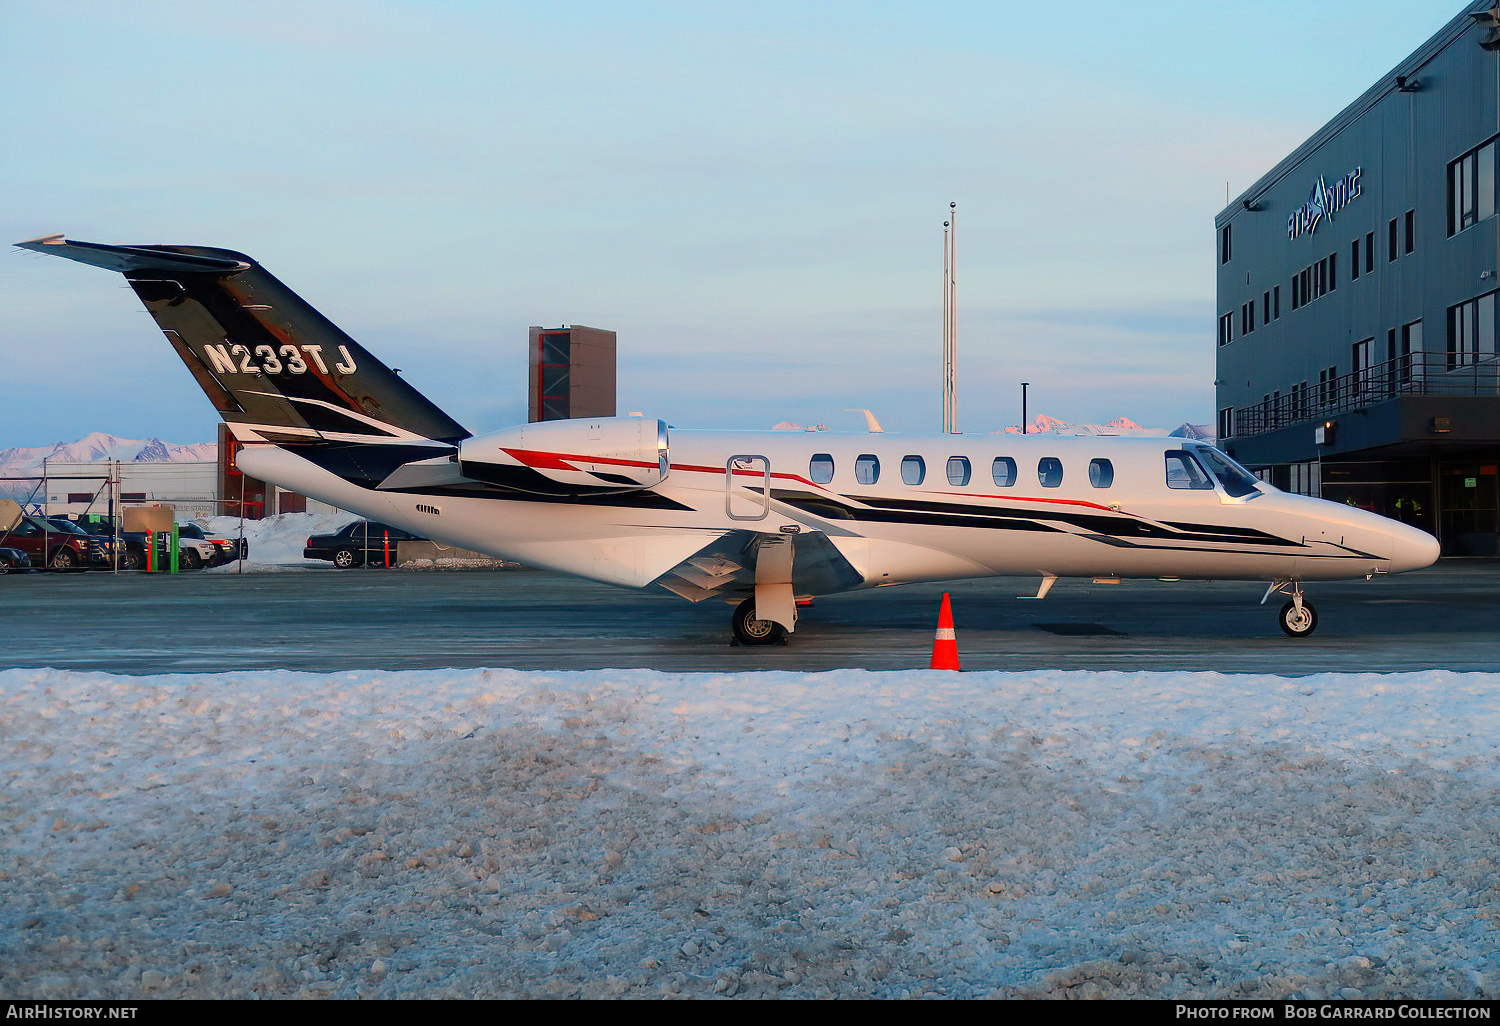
column 725, row 569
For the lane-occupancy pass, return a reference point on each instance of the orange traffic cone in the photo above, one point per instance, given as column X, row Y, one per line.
column 945, row 645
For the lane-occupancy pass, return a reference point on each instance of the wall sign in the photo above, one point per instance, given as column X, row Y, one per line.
column 1325, row 201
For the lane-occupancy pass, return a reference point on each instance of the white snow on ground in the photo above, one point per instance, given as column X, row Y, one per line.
column 636, row 833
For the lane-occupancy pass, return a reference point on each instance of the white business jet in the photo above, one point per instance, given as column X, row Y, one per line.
column 756, row 519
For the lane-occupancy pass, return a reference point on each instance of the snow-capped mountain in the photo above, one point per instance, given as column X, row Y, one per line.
column 99, row 446
column 1044, row 424
column 1203, row 432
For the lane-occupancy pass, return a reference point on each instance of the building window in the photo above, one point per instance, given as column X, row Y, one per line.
column 1471, row 331
column 1265, row 308
column 1354, row 261
column 1226, row 329
column 1101, row 473
column 553, row 366
column 1226, row 423
column 1225, row 247
column 1411, row 230
column 1049, row 471
column 1410, row 353
column 820, row 468
column 1333, row 271
column 1276, row 301
column 1471, row 188
column 913, row 470
column 958, row 471
column 1391, row 241
column 867, row 469
column 1369, row 252
column 1003, row 470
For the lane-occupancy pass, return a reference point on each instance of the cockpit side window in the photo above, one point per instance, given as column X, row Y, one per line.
column 1183, row 471
column 1237, row 481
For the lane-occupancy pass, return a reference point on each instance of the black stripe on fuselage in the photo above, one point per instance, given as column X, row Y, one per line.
column 952, row 514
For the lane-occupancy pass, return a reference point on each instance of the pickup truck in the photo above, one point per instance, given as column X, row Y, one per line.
column 61, row 546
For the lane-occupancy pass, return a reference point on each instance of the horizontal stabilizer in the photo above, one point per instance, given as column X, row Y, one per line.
column 131, row 258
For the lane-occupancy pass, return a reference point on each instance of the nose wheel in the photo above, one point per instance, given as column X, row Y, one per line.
column 1298, row 617
column 1299, row 621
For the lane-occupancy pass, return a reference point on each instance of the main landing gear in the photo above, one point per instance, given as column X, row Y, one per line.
column 750, row 631
column 1298, row 617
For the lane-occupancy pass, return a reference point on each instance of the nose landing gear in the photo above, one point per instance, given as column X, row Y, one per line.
column 1298, row 617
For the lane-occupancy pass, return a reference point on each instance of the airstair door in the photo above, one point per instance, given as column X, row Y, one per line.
column 747, row 487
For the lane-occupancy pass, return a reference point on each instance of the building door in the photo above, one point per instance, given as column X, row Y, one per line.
column 1469, row 497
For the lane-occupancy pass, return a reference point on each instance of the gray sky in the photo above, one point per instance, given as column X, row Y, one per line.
column 750, row 194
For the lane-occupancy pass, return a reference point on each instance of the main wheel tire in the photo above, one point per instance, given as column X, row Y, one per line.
column 64, row 559
column 346, row 558
column 1298, row 625
column 750, row 631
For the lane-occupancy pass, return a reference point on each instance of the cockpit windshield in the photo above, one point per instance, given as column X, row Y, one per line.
column 1235, row 479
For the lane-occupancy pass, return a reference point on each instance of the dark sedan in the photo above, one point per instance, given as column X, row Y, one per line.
column 13, row 559
column 360, row 543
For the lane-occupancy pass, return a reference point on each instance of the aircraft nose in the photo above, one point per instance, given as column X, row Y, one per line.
column 1412, row 549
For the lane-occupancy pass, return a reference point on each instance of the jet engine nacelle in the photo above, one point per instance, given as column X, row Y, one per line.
column 571, row 456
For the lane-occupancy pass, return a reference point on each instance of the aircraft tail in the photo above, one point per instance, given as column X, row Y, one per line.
column 274, row 368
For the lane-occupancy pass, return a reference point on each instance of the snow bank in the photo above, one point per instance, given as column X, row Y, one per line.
column 478, row 833
column 276, row 542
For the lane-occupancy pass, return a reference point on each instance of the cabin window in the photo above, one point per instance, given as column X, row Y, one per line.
column 913, row 470
column 958, row 471
column 1183, row 471
column 1003, row 470
column 1101, row 473
column 867, row 469
column 820, row 468
column 1049, row 471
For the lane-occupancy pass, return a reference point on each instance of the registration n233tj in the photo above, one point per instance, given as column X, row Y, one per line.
column 233, row 358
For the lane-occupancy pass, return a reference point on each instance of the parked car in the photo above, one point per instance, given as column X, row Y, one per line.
column 60, row 546
column 192, row 553
column 230, row 549
column 194, row 550
column 13, row 559
column 364, row 541
column 132, row 547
